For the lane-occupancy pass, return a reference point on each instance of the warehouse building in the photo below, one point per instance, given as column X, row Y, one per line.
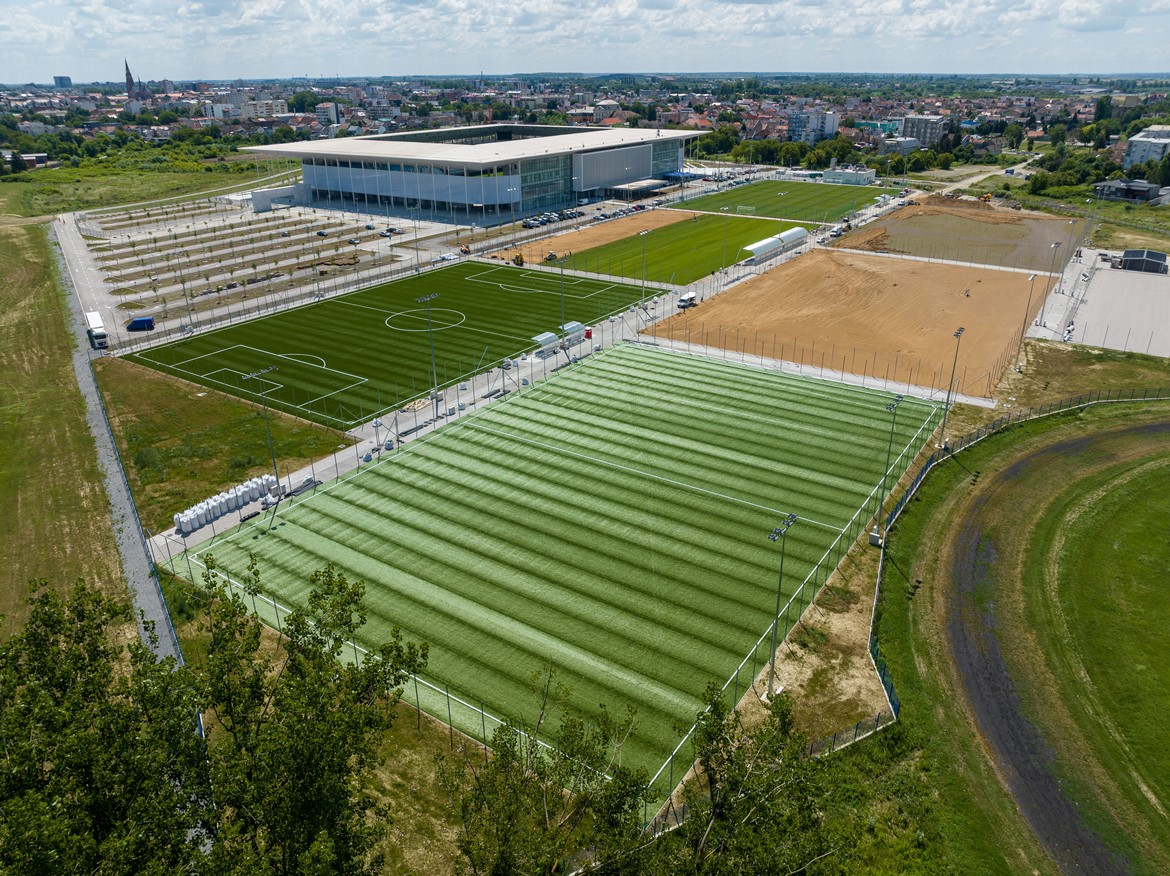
column 482, row 173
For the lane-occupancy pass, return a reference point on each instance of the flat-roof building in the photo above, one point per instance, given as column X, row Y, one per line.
column 1152, row 143
column 481, row 173
column 928, row 130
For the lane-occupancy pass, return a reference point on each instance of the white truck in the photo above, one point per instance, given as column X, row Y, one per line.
column 96, row 330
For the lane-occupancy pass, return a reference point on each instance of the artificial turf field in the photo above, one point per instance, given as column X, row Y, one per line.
column 680, row 253
column 801, row 201
column 611, row 520
column 348, row 359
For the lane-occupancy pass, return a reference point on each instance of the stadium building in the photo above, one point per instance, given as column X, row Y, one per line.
column 483, row 173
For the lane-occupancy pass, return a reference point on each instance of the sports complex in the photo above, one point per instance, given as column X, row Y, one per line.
column 612, row 521
column 610, row 512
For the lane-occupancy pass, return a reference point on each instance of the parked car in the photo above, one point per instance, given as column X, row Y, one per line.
column 322, row 233
column 354, row 240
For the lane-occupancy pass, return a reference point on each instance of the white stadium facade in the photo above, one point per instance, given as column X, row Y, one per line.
column 483, row 173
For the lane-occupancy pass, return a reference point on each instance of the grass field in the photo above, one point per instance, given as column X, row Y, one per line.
column 611, row 520
column 59, row 190
column 57, row 519
column 681, row 253
column 1072, row 645
column 1099, row 607
column 796, row 201
column 348, row 359
column 182, row 444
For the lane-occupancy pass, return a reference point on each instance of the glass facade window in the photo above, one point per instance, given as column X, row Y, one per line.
column 546, row 182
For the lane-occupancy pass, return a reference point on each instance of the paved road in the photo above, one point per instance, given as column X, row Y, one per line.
column 149, row 606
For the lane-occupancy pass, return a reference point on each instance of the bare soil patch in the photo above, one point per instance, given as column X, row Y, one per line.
column 586, row 237
column 887, row 319
column 969, row 231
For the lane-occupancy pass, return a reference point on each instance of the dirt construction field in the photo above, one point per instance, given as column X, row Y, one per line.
column 889, row 319
column 588, row 236
column 969, row 231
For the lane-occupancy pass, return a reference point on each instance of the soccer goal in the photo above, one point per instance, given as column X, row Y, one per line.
column 745, row 210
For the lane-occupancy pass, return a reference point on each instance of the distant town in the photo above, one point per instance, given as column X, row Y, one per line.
column 895, row 124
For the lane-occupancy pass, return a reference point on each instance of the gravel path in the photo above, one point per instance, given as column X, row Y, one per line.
column 145, row 594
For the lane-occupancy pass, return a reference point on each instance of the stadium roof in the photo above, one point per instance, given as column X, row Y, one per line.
column 410, row 146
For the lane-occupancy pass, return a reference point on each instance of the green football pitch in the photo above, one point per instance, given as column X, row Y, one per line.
column 680, row 253
column 611, row 521
column 348, row 359
column 796, row 201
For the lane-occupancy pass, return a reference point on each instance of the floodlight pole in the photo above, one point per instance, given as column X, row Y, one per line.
column 427, row 299
column 563, row 307
column 1051, row 268
column 267, row 427
column 644, row 236
column 1024, row 325
column 892, row 407
column 780, row 532
column 950, row 383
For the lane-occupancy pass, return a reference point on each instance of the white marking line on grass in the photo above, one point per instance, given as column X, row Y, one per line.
column 464, row 326
column 297, row 357
column 549, row 277
column 640, row 473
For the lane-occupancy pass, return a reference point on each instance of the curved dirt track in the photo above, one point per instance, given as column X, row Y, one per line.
column 1023, row 758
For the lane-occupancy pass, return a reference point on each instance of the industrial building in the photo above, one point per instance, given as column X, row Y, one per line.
column 1146, row 260
column 482, row 173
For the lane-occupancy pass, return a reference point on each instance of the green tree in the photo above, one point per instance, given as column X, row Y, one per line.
column 1057, row 134
column 16, row 162
column 1103, row 109
column 1013, row 134
column 298, row 734
column 759, row 803
column 529, row 808
column 103, row 770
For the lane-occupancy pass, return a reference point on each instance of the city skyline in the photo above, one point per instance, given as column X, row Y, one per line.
column 271, row 39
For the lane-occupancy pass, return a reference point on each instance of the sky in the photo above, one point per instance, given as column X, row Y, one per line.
column 252, row 39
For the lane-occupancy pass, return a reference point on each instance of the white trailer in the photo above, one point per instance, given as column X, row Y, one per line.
column 96, row 330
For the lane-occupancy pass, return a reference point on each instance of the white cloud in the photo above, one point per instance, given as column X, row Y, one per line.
column 226, row 39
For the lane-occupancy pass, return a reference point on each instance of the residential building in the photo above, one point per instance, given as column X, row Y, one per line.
column 928, row 130
column 1151, row 144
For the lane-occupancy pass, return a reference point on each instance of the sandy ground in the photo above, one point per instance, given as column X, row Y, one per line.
column 970, row 231
column 889, row 318
column 585, row 237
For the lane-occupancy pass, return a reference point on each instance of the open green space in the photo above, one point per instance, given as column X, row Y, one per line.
column 612, row 521
column 56, row 517
column 970, row 822
column 1098, row 600
column 182, row 444
column 797, row 201
column 354, row 357
column 678, row 254
column 62, row 190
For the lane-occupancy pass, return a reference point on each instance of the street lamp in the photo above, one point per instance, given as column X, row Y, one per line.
column 267, row 427
column 645, row 234
column 1071, row 226
column 427, row 299
column 724, row 210
column 892, row 407
column 1024, row 325
column 780, row 532
column 950, row 383
column 1051, row 268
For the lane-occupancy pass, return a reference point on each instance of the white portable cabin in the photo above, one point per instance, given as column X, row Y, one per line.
column 687, row 299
